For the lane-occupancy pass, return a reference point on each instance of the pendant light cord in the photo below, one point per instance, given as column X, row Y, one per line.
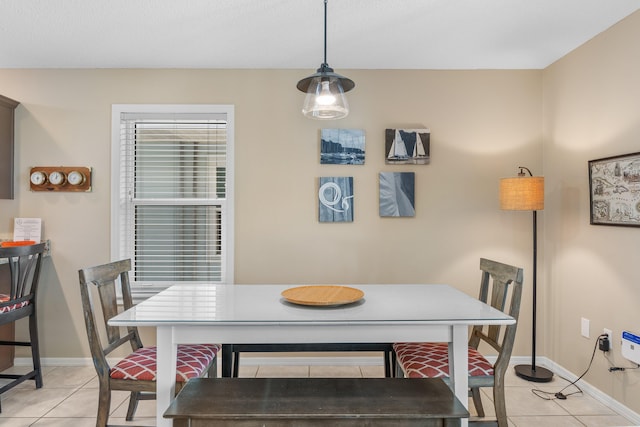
column 325, row 34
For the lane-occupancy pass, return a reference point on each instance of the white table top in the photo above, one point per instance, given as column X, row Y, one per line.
column 263, row 304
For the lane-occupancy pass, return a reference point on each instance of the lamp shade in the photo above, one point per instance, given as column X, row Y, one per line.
column 325, row 98
column 523, row 193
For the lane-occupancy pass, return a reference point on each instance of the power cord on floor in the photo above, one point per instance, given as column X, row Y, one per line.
column 613, row 368
column 560, row 395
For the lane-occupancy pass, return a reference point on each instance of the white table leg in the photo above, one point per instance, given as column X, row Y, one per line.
column 166, row 375
column 459, row 365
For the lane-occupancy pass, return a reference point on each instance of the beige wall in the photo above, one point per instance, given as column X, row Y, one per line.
column 483, row 124
column 8, row 210
column 591, row 110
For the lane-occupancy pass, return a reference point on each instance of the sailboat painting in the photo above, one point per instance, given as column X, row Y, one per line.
column 397, row 194
column 407, row 146
column 342, row 147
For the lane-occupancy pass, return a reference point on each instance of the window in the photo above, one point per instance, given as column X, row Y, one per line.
column 172, row 194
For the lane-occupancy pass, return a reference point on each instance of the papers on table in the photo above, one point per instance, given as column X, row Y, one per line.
column 27, row 229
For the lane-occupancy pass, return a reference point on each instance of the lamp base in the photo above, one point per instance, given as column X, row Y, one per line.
column 535, row 373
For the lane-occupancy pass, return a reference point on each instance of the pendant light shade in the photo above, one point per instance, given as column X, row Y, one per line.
column 325, row 89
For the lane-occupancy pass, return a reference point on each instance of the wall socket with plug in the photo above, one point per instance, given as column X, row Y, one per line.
column 606, row 344
column 610, row 334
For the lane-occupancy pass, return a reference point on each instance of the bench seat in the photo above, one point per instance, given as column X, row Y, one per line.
column 305, row 402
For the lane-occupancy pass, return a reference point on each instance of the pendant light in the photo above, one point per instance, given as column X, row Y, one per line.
column 325, row 89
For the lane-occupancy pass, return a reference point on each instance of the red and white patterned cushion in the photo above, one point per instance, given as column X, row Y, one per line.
column 431, row 360
column 10, row 307
column 193, row 360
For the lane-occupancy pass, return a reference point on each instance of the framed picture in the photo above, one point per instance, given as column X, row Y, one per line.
column 407, row 146
column 342, row 147
column 614, row 190
column 397, row 194
column 335, row 196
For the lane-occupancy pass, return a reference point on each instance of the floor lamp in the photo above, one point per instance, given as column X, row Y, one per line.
column 526, row 193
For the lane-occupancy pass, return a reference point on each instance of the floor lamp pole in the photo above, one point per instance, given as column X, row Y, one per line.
column 532, row 372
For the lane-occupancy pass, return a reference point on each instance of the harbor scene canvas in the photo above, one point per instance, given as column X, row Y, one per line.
column 397, row 194
column 342, row 147
column 335, row 196
column 407, row 146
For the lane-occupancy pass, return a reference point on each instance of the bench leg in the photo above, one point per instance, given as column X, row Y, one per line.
column 227, row 360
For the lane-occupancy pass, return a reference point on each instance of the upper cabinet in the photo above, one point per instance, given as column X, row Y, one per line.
column 7, row 115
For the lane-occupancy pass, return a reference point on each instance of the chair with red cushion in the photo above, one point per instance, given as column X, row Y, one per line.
column 137, row 371
column 501, row 287
column 18, row 294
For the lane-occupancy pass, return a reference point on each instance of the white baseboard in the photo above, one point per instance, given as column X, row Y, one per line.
column 58, row 361
column 246, row 360
column 250, row 360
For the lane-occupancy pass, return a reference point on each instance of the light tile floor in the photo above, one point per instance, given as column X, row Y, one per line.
column 69, row 397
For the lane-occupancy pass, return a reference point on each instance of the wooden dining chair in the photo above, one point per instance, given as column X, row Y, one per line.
column 137, row 371
column 501, row 287
column 18, row 299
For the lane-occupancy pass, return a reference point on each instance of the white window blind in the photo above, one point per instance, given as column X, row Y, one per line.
column 173, row 198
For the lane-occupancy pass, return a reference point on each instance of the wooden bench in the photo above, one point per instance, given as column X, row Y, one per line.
column 306, row 402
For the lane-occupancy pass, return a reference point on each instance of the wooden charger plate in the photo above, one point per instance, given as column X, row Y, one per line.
column 322, row 295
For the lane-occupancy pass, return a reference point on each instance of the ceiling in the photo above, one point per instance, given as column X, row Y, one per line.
column 365, row 34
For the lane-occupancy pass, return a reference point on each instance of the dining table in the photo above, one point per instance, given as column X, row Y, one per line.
column 260, row 314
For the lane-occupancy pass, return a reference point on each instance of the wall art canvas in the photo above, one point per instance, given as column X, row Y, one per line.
column 407, row 146
column 397, row 194
column 335, row 196
column 342, row 147
column 614, row 186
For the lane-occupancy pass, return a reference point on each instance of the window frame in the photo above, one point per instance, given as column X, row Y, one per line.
column 139, row 291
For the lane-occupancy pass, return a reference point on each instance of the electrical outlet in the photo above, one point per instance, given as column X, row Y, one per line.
column 610, row 336
column 584, row 327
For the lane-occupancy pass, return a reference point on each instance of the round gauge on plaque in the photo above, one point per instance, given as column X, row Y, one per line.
column 57, row 178
column 76, row 178
column 38, row 178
